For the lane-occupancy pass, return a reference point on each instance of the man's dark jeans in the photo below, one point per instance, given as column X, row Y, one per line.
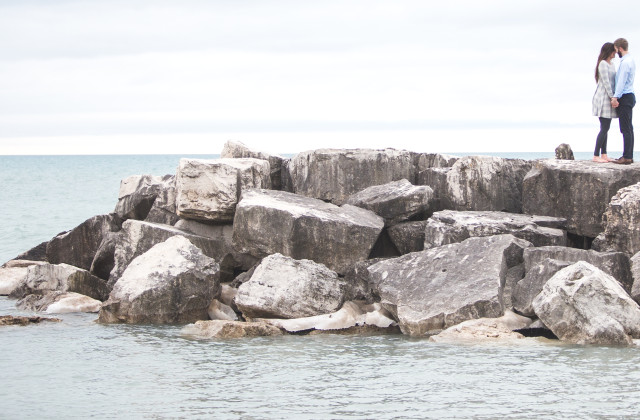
column 625, row 114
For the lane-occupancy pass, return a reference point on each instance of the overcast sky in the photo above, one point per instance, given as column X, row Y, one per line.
column 285, row 76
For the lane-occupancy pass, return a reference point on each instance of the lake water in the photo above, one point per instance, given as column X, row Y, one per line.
column 80, row 369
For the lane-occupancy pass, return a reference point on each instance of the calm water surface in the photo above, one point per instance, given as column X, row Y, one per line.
column 77, row 368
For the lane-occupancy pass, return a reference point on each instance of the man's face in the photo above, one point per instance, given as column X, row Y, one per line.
column 619, row 51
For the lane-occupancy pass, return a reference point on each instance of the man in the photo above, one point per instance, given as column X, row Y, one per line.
column 624, row 98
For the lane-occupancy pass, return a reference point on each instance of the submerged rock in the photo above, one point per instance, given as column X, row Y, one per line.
column 229, row 329
column 395, row 202
column 24, row 320
column 43, row 278
column 269, row 222
column 236, row 149
column 59, row 303
column 173, row 282
column 282, row 287
column 446, row 227
column 575, row 190
column 485, row 329
column 581, row 304
column 209, row 190
column 437, row 288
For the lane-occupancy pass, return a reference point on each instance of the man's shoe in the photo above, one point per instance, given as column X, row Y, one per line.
column 623, row 161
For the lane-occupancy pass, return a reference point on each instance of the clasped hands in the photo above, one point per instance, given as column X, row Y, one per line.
column 614, row 102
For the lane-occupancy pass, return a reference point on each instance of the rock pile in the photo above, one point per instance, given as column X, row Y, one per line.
column 356, row 241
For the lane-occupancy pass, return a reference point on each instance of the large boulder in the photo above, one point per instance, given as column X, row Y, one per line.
column 408, row 236
column 138, row 237
column 481, row 183
column 13, row 274
column 395, row 202
column 269, row 222
column 282, row 287
column 209, row 190
column 173, row 282
column 581, row 304
column 335, row 174
column 78, row 246
column 434, row 289
column 542, row 263
column 578, row 191
column 622, row 222
column 59, row 303
column 43, row 278
column 447, row 226
column 203, row 330
column 237, row 150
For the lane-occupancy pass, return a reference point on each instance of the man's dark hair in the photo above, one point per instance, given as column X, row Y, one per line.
column 621, row 43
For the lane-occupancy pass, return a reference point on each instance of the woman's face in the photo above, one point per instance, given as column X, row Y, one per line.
column 612, row 55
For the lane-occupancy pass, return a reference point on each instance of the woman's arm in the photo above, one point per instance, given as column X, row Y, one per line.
column 603, row 70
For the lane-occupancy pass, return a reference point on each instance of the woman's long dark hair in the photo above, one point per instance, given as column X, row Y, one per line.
column 605, row 52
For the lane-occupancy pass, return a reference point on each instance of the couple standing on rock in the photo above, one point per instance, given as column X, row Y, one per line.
column 614, row 98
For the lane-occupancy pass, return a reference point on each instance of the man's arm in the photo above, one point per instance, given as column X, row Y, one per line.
column 621, row 79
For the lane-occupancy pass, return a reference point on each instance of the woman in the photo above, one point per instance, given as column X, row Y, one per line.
column 605, row 77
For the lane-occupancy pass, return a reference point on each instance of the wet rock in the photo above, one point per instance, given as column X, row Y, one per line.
column 282, row 287
column 581, row 304
column 563, row 151
column 78, row 246
column 408, row 236
column 209, row 190
column 482, row 183
column 437, row 288
column 622, row 221
column 395, row 202
column 24, row 320
column 236, row 149
column 138, row 237
column 350, row 315
column 575, row 190
column 173, row 282
column 13, row 274
column 229, row 329
column 269, row 222
column 44, row 278
column 543, row 262
column 485, row 329
column 137, row 195
column 218, row 310
column 59, row 303
column 335, row 174
column 446, row 227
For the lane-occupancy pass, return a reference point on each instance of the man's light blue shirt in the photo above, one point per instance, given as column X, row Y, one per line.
column 625, row 76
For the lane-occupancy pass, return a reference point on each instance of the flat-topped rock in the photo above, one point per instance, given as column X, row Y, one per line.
column 395, row 202
column 485, row 329
column 269, row 222
column 203, row 330
column 448, row 226
column 483, row 183
column 437, row 288
column 581, row 304
column 209, row 190
column 237, row 150
column 335, row 174
column 578, row 191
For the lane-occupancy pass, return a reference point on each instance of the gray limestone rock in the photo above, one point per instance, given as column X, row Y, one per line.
column 13, row 274
column 137, row 195
column 173, row 282
column 209, row 190
column 578, row 191
column 282, row 287
column 622, row 221
column 164, row 209
column 408, row 236
column 479, row 183
column 543, row 262
column 138, row 237
column 78, row 246
column 581, row 304
column 237, row 150
column 564, row 151
column 447, row 226
column 59, row 303
column 269, row 222
column 434, row 289
column 485, row 329
column 43, row 278
column 395, row 202
column 229, row 329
